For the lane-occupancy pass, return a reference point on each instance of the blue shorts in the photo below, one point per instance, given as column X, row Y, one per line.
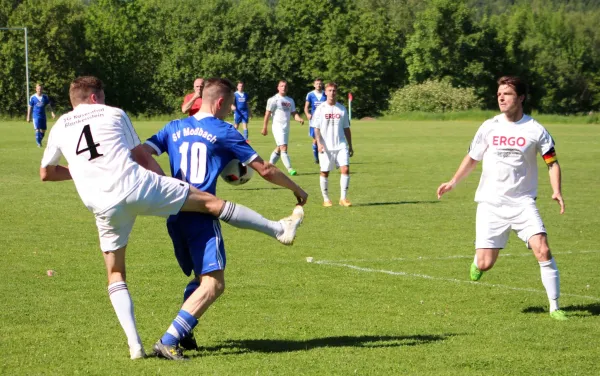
column 240, row 117
column 39, row 123
column 197, row 242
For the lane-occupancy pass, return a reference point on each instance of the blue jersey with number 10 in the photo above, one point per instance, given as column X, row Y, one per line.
column 199, row 147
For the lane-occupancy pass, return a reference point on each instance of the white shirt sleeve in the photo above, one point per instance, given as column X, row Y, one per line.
column 315, row 122
column 131, row 136
column 479, row 144
column 271, row 105
column 545, row 143
column 52, row 153
column 344, row 122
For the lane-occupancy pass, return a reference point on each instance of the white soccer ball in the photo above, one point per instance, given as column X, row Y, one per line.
column 237, row 173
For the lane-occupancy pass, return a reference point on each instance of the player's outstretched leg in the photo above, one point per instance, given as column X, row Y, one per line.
column 290, row 225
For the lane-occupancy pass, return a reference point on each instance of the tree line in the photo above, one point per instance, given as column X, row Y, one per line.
column 148, row 52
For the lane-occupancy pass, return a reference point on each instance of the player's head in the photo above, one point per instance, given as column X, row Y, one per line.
column 331, row 92
column 282, row 87
column 38, row 89
column 240, row 86
column 86, row 89
column 318, row 84
column 511, row 94
column 199, row 85
column 217, row 97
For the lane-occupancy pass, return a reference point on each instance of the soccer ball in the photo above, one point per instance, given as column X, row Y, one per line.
column 237, row 173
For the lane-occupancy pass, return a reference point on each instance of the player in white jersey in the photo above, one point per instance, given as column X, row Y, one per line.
column 334, row 142
column 508, row 145
column 118, row 180
column 281, row 108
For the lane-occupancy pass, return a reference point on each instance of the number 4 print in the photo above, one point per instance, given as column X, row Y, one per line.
column 89, row 140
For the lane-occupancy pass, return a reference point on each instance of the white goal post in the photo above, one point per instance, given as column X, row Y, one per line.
column 26, row 57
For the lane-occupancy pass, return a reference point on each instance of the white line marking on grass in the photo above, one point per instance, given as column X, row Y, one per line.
column 423, row 276
column 420, row 258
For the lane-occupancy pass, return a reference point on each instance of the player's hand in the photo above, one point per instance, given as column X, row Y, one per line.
column 28, row 120
column 309, row 116
column 264, row 131
column 321, row 148
column 561, row 202
column 301, row 196
column 445, row 187
column 301, row 121
column 53, row 115
column 350, row 151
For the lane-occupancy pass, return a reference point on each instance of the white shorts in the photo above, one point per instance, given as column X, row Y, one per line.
column 493, row 224
column 329, row 157
column 156, row 196
column 281, row 134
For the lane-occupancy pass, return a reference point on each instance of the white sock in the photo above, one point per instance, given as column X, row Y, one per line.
column 274, row 157
column 123, row 305
column 551, row 281
column 242, row 217
column 344, row 183
column 324, row 189
column 285, row 158
column 475, row 260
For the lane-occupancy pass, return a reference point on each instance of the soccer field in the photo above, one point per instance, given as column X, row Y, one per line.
column 387, row 293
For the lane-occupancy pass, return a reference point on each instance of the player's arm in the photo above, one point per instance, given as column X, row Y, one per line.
column 348, row 135
column 298, row 118
column 187, row 105
column 272, row 174
column 467, row 165
column 142, row 154
column 28, row 112
column 51, row 110
column 555, row 178
column 264, row 130
column 318, row 137
column 55, row 173
column 308, row 114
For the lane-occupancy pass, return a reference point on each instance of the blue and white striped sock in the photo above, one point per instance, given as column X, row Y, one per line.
column 183, row 325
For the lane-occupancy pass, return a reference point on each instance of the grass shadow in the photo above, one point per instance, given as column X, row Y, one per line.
column 259, row 189
column 396, row 203
column 233, row 347
column 592, row 309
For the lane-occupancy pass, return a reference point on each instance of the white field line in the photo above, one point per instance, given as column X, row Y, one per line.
column 454, row 280
column 420, row 258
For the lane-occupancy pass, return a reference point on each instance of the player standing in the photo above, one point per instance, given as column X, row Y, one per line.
column 199, row 147
column 314, row 100
column 193, row 101
column 508, row 145
column 38, row 102
column 281, row 107
column 334, row 142
column 117, row 180
column 241, row 109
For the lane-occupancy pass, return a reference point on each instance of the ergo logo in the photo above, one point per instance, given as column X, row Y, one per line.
column 508, row 141
column 332, row 116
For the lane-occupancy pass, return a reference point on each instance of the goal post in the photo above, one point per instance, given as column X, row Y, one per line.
column 26, row 57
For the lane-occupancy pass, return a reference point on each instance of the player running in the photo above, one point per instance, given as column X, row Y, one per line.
column 241, row 109
column 38, row 103
column 314, row 100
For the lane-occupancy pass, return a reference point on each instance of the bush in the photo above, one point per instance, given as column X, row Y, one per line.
column 433, row 96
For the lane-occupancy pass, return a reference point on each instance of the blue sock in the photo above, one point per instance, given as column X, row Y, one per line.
column 38, row 139
column 183, row 325
column 190, row 288
column 315, row 152
column 246, row 134
column 42, row 134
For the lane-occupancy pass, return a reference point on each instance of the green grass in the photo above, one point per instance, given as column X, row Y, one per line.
column 387, row 293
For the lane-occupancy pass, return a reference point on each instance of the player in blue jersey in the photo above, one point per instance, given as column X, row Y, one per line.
column 199, row 147
column 313, row 100
column 38, row 102
column 241, row 109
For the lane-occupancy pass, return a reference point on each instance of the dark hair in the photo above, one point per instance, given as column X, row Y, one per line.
column 83, row 86
column 515, row 82
column 215, row 88
column 331, row 83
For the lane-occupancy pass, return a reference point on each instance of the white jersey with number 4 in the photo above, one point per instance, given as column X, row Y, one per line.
column 331, row 121
column 96, row 140
column 508, row 150
column 281, row 109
